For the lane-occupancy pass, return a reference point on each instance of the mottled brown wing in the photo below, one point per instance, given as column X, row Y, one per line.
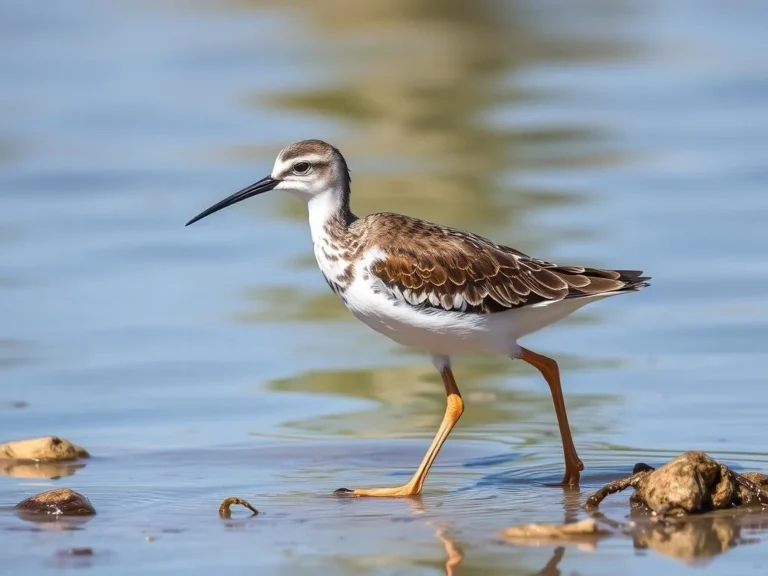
column 443, row 268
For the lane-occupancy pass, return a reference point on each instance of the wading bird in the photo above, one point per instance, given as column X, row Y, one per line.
column 434, row 288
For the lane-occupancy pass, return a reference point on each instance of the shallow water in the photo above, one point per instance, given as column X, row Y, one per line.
column 200, row 363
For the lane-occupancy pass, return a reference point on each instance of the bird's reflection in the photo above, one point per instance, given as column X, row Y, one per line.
column 571, row 504
column 453, row 552
column 692, row 540
column 551, row 567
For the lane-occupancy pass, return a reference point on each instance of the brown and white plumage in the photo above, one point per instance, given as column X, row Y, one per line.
column 450, row 292
column 440, row 267
column 431, row 287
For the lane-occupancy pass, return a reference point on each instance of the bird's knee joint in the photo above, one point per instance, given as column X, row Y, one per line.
column 455, row 405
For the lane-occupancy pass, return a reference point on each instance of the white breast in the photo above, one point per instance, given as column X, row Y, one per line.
column 436, row 332
column 329, row 260
column 328, row 253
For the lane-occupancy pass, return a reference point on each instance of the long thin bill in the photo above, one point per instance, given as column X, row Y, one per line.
column 263, row 185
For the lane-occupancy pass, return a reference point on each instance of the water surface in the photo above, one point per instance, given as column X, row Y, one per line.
column 211, row 361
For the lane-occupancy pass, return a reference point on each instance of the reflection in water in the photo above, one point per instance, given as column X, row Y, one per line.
column 413, row 397
column 56, row 523
column 696, row 540
column 453, row 552
column 70, row 558
column 454, row 556
column 551, row 567
column 50, row 470
column 693, row 540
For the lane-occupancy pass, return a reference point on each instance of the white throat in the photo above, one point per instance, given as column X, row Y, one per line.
column 322, row 208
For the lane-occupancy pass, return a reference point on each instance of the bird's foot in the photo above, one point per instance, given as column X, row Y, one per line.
column 573, row 470
column 397, row 492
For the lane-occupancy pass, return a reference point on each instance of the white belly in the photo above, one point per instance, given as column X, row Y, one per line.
column 437, row 331
column 451, row 333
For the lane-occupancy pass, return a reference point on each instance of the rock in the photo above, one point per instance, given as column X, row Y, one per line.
column 692, row 483
column 585, row 530
column 58, row 502
column 47, row 449
column 225, row 507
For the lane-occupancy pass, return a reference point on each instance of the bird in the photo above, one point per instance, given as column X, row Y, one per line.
column 434, row 288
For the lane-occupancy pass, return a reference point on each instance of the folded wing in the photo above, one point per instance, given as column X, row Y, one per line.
column 447, row 269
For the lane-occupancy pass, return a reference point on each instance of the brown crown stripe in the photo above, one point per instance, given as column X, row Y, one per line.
column 307, row 147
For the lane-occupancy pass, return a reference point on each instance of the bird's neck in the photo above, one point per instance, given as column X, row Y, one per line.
column 329, row 213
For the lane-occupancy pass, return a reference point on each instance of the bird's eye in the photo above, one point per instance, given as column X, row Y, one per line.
column 302, row 167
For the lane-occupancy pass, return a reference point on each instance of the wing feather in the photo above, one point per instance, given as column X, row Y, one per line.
column 427, row 265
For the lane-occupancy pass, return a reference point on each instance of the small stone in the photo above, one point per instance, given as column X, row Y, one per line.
column 587, row 528
column 692, row 483
column 58, row 502
column 46, row 449
column 225, row 507
column 76, row 552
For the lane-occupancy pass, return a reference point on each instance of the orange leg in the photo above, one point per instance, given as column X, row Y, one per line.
column 551, row 373
column 453, row 411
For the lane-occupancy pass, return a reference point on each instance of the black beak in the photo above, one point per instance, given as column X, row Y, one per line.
column 263, row 185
